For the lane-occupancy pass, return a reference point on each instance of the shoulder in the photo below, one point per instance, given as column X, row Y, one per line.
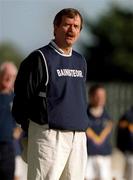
column 34, row 59
column 44, row 49
column 107, row 115
column 128, row 115
column 75, row 53
column 81, row 59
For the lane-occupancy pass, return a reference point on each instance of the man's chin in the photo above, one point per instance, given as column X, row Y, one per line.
column 70, row 42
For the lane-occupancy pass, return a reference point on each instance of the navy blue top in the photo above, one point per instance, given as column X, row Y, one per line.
column 50, row 88
column 124, row 136
column 128, row 115
column 7, row 123
column 65, row 94
column 97, row 124
column 17, row 146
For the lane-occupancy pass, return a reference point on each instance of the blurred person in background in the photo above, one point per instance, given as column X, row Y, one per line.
column 125, row 141
column 20, row 166
column 99, row 146
column 8, row 73
column 50, row 104
column 11, row 165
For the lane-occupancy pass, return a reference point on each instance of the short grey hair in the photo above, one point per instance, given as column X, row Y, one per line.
column 4, row 66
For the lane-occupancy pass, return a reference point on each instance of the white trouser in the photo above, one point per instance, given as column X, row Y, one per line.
column 129, row 167
column 98, row 167
column 55, row 154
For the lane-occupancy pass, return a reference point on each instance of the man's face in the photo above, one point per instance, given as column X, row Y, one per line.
column 68, row 31
column 98, row 98
column 7, row 78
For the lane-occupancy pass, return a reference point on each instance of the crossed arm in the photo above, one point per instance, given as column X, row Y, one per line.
column 99, row 139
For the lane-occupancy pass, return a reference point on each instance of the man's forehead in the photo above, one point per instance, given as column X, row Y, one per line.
column 70, row 18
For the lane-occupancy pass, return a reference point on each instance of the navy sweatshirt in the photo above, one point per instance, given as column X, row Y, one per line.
column 51, row 89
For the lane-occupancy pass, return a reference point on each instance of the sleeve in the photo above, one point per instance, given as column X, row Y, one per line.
column 122, row 134
column 108, row 116
column 31, row 72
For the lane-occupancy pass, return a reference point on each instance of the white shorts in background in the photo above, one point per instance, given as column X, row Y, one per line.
column 55, row 154
column 20, row 168
column 98, row 167
column 129, row 167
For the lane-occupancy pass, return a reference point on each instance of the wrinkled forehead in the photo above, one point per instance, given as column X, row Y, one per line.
column 72, row 17
column 75, row 19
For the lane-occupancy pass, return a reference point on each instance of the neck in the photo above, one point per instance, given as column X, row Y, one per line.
column 96, row 111
column 66, row 50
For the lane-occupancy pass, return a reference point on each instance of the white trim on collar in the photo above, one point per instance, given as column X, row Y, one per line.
column 58, row 50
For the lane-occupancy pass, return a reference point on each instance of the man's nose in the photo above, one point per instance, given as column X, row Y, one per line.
column 71, row 28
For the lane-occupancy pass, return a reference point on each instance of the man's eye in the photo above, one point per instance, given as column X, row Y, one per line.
column 76, row 26
column 66, row 25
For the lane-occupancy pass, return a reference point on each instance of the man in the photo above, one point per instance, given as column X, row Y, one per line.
column 50, row 103
column 8, row 73
column 125, row 140
column 98, row 136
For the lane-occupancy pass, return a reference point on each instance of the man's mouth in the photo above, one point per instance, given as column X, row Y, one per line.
column 70, row 36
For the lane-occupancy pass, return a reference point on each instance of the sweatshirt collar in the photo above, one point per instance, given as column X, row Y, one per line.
column 58, row 50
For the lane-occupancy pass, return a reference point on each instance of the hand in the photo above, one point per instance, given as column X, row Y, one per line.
column 17, row 132
column 97, row 140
